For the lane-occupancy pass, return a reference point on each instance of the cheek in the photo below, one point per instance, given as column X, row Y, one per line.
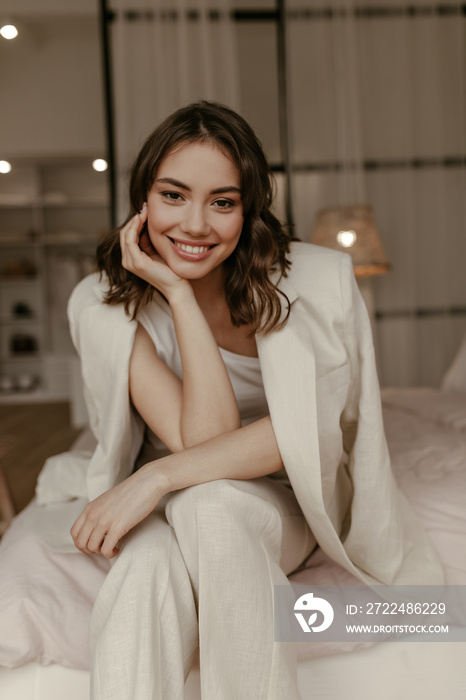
column 233, row 232
column 158, row 220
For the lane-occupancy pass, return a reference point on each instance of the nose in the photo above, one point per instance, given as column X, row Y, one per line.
column 195, row 221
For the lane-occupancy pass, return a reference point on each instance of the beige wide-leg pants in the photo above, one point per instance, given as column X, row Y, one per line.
column 201, row 570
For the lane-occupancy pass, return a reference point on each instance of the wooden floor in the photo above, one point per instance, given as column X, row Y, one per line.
column 28, row 435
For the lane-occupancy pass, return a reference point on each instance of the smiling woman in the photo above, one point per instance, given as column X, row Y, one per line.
column 231, row 384
column 216, row 140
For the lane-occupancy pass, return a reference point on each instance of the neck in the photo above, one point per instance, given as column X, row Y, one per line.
column 210, row 290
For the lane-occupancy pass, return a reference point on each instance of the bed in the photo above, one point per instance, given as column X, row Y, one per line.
column 43, row 631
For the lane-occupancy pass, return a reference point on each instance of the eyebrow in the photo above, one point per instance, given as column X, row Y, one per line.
column 181, row 185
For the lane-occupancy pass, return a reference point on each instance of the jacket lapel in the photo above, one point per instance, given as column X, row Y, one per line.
column 289, row 376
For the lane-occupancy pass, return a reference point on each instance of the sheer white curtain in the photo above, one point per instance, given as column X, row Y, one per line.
column 381, row 85
column 166, row 54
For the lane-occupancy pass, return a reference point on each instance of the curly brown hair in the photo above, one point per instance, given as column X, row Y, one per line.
column 253, row 299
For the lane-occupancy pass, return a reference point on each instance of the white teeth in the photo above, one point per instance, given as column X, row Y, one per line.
column 192, row 249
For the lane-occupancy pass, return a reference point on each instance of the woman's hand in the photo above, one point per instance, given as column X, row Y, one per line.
column 139, row 256
column 105, row 520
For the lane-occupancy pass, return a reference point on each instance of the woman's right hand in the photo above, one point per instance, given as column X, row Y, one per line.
column 139, row 256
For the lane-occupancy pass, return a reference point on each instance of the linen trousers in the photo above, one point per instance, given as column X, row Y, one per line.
column 200, row 571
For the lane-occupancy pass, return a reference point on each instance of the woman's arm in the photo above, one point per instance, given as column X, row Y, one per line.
column 246, row 453
column 203, row 405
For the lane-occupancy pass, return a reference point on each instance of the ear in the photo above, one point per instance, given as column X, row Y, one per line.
column 145, row 242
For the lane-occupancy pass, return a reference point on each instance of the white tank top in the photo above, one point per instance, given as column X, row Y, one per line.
column 244, row 372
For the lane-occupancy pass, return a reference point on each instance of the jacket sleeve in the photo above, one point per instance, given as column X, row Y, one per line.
column 103, row 336
column 384, row 539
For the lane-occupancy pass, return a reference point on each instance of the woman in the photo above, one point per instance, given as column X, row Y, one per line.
column 249, row 365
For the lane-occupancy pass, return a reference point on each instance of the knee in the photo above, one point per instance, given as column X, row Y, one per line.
column 219, row 499
column 222, row 511
column 145, row 547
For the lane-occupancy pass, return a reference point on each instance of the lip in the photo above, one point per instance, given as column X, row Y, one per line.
column 191, row 256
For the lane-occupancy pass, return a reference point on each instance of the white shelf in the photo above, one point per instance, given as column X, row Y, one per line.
column 69, row 239
column 76, row 203
column 27, row 320
column 17, row 240
column 36, row 396
column 19, row 281
column 17, row 202
column 65, row 238
column 52, row 213
column 21, row 359
column 68, row 203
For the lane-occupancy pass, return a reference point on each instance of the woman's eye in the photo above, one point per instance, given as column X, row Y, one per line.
column 224, row 204
column 172, row 196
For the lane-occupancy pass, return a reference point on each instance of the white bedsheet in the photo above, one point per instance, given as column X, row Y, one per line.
column 426, row 433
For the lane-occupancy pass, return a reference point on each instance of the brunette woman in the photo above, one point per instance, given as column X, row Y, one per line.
column 231, row 385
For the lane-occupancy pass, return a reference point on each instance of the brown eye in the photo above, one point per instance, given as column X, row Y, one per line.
column 172, row 196
column 224, row 204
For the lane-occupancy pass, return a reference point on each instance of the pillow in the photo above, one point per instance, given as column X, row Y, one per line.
column 46, row 600
column 446, row 410
column 454, row 381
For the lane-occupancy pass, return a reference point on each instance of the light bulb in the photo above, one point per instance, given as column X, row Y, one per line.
column 346, row 238
column 9, row 31
column 100, row 165
column 5, row 166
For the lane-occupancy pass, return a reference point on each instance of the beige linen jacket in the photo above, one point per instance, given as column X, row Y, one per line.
column 322, row 390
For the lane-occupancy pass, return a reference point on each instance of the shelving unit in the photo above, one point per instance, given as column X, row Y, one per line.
column 52, row 212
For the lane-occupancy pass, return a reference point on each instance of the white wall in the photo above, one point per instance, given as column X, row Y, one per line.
column 50, row 87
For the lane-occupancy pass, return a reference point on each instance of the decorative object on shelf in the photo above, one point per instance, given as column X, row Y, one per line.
column 21, row 309
column 25, row 382
column 7, row 384
column 23, row 344
column 352, row 229
column 19, row 268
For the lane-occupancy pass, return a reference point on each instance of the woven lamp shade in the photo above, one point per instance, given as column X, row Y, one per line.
column 352, row 229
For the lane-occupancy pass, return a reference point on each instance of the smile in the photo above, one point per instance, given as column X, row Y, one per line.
column 192, row 249
column 191, row 252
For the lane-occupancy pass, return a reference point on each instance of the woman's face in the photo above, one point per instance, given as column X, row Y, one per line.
column 195, row 212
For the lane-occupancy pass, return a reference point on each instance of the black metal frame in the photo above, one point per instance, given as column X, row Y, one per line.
column 108, row 107
column 420, row 313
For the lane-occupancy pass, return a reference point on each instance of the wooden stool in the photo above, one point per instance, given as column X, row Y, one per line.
column 7, row 510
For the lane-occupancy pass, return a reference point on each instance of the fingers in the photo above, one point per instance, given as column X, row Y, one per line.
column 103, row 543
column 130, row 232
column 91, row 536
column 108, row 548
column 129, row 240
column 84, row 533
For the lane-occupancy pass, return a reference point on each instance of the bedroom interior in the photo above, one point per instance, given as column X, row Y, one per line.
column 361, row 108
